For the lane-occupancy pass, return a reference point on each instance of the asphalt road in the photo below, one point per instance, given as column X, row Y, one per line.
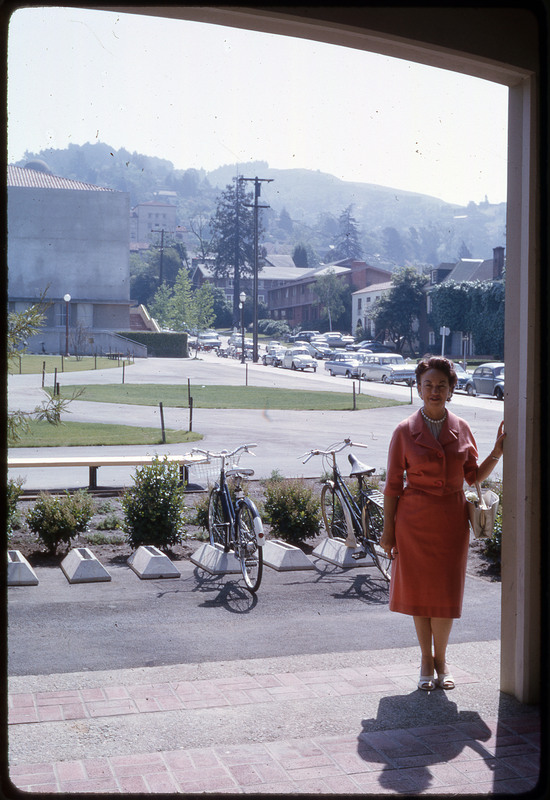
column 58, row 627
column 128, row 622
column 283, row 437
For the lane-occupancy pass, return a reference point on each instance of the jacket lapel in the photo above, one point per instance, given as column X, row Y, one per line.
column 423, row 437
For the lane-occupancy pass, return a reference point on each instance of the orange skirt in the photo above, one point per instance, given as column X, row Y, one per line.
column 432, row 538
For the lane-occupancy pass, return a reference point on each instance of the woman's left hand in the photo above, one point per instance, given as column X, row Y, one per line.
column 498, row 449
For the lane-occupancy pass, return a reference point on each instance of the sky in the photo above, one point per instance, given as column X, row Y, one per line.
column 203, row 96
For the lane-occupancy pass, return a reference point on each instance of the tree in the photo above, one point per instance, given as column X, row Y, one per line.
column 21, row 325
column 346, row 243
column 300, row 256
column 393, row 245
column 472, row 307
column 200, row 228
column 397, row 312
column 329, row 290
column 233, row 232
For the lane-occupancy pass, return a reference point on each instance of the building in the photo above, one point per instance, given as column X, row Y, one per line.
column 68, row 239
column 149, row 220
column 458, row 344
column 296, row 301
column 277, row 270
column 362, row 303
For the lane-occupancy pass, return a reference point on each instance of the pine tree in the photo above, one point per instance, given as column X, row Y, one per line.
column 346, row 243
column 233, row 237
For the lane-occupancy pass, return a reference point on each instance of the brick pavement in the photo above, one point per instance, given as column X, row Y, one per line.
column 468, row 755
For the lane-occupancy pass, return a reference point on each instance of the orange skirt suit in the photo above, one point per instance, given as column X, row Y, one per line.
column 431, row 523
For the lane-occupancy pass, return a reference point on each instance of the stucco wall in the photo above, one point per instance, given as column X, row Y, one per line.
column 75, row 241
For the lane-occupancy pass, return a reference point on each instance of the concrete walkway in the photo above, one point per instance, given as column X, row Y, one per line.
column 343, row 723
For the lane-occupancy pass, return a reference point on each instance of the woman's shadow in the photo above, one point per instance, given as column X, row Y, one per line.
column 414, row 732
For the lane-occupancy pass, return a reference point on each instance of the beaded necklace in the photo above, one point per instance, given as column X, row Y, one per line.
column 434, row 425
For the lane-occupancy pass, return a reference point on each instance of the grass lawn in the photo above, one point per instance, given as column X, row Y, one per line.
column 151, row 394
column 33, row 364
column 81, row 434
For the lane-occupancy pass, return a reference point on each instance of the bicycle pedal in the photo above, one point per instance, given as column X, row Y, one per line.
column 359, row 554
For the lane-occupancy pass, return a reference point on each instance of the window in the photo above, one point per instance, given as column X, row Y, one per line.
column 359, row 304
column 429, row 304
column 431, row 338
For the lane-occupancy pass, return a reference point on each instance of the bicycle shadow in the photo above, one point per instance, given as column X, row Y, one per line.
column 229, row 594
column 367, row 588
column 407, row 752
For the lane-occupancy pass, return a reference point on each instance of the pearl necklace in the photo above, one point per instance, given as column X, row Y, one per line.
column 433, row 421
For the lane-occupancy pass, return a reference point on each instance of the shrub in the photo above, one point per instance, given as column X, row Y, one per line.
column 60, row 519
column 110, row 523
column 13, row 493
column 201, row 512
column 154, row 510
column 492, row 547
column 293, row 509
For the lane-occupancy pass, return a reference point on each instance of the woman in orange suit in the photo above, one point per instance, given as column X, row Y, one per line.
column 425, row 515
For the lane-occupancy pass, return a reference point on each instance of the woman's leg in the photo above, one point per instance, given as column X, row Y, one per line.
column 441, row 630
column 424, row 634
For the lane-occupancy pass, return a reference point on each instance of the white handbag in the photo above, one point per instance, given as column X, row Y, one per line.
column 482, row 510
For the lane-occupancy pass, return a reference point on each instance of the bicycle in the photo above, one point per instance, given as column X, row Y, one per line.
column 353, row 518
column 235, row 524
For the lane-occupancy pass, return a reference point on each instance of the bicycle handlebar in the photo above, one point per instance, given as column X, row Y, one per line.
column 336, row 449
column 224, row 453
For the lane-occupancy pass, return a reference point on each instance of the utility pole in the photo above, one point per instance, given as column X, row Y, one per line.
column 256, row 206
column 161, row 252
column 237, row 270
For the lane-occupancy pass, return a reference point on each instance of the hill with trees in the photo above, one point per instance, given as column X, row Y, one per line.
column 394, row 228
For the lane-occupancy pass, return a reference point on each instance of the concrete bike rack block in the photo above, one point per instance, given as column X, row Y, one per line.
column 284, row 557
column 20, row 572
column 149, row 562
column 336, row 552
column 213, row 559
column 81, row 566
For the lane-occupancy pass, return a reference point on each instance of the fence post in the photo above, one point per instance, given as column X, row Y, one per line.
column 162, row 424
column 43, row 373
column 354, row 405
column 190, row 415
column 54, row 379
column 123, row 363
column 189, row 392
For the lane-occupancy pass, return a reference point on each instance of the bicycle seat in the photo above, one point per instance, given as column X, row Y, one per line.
column 357, row 468
column 238, row 471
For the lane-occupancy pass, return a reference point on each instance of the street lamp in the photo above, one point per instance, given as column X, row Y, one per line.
column 67, row 299
column 242, row 298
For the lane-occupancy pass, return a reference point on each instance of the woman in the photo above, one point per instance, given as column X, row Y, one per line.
column 426, row 529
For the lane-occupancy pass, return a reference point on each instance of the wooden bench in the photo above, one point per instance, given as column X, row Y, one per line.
column 94, row 462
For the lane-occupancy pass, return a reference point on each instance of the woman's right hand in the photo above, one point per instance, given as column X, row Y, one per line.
column 388, row 543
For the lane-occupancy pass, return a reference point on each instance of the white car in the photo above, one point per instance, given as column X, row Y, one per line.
column 388, row 368
column 298, row 358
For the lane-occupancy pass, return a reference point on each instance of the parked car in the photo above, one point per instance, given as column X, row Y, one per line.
column 348, row 364
column 487, row 379
column 371, row 346
column 298, row 358
column 388, row 368
column 305, row 336
column 336, row 339
column 209, row 341
column 320, row 350
column 462, row 375
column 274, row 356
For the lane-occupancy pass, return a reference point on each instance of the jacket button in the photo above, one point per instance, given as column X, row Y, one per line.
column 439, row 483
column 439, row 455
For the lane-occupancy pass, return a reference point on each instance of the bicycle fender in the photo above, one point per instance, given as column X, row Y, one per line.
column 259, row 531
column 258, row 524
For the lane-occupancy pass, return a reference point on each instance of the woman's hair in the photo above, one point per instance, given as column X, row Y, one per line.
column 440, row 363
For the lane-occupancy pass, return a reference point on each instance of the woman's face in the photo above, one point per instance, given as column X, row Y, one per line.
column 434, row 389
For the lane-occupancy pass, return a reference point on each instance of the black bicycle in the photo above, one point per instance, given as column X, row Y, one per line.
column 234, row 522
column 357, row 518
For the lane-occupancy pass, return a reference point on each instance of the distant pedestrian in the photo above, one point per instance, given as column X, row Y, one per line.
column 426, row 529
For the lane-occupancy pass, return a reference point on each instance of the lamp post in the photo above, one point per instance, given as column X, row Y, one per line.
column 67, row 299
column 242, row 298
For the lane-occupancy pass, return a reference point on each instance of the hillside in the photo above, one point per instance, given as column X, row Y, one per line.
column 395, row 227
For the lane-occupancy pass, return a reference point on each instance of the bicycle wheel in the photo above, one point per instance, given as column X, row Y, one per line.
column 332, row 510
column 217, row 525
column 373, row 525
column 250, row 555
